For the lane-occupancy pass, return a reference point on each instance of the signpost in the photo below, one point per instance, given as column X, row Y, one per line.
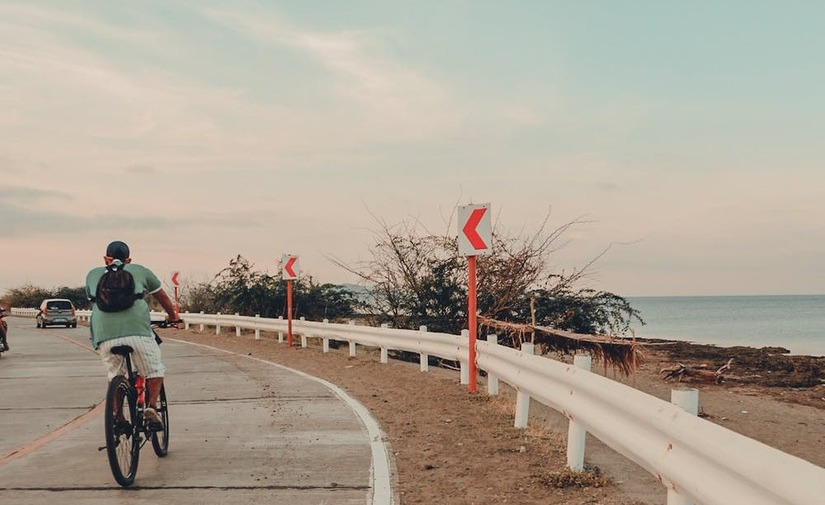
column 475, row 237
column 175, row 283
column 289, row 272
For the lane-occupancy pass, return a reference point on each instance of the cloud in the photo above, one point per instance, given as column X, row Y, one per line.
column 6, row 162
column 607, row 186
column 364, row 74
column 60, row 19
column 26, row 194
column 31, row 212
column 19, row 221
column 47, row 68
column 344, row 93
column 141, row 169
column 394, row 100
column 157, row 111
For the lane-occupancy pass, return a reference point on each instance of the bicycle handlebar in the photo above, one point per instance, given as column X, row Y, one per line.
column 166, row 324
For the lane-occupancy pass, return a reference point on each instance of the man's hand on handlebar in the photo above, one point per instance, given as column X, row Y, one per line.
column 167, row 323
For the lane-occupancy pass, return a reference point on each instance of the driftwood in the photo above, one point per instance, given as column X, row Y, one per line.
column 679, row 371
column 621, row 354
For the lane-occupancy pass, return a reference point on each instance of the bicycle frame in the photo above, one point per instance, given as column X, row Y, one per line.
column 140, row 402
column 126, row 428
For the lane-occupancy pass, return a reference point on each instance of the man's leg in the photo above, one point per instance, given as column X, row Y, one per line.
column 153, row 386
column 147, row 361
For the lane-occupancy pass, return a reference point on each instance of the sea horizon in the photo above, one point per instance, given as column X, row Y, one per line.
column 794, row 322
column 725, row 296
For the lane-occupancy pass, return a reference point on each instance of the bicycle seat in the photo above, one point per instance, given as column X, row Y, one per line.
column 122, row 350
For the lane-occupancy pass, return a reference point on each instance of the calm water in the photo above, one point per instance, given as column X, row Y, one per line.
column 793, row 322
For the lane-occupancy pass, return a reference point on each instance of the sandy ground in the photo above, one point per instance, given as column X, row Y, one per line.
column 452, row 447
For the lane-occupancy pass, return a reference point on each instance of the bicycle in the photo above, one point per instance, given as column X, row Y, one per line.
column 126, row 430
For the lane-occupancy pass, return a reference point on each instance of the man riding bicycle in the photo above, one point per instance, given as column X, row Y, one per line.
column 120, row 315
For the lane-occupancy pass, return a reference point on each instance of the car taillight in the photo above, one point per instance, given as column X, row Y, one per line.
column 45, row 311
column 72, row 310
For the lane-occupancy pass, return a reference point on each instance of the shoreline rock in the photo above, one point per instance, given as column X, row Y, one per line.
column 790, row 377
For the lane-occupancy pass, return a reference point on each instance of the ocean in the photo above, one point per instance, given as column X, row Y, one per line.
column 795, row 322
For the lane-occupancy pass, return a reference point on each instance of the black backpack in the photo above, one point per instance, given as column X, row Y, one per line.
column 116, row 290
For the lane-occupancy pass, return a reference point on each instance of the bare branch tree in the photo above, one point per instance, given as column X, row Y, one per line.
column 419, row 278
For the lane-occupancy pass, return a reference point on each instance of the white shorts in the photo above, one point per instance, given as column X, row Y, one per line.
column 145, row 358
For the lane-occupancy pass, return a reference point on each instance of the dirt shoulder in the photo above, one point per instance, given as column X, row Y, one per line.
column 452, row 447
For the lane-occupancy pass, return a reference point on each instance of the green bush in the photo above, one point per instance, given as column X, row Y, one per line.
column 29, row 296
column 240, row 288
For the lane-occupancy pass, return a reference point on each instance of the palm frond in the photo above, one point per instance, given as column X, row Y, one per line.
column 621, row 354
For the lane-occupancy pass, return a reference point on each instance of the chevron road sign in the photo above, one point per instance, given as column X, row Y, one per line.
column 289, row 267
column 475, row 230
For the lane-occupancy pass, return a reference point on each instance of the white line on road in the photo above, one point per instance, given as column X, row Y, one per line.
column 380, row 473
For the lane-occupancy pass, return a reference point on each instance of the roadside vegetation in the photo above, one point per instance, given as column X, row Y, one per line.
column 29, row 296
column 416, row 278
column 413, row 278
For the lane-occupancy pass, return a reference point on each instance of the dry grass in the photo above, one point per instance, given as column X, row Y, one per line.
column 590, row 477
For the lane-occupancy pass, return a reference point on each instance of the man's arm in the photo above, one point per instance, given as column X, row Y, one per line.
column 167, row 305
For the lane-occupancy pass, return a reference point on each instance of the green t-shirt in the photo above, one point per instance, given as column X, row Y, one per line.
column 134, row 321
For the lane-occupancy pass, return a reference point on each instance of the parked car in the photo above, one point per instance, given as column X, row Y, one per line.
column 54, row 311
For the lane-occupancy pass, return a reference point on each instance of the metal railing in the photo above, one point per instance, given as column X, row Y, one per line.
column 697, row 460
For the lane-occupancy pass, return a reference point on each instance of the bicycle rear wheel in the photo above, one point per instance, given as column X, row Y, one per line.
column 122, row 437
column 160, row 439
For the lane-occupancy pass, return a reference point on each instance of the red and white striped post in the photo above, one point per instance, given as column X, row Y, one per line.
column 289, row 313
column 475, row 237
column 175, row 283
column 289, row 272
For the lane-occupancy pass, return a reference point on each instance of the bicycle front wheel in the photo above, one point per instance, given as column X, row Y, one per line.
column 160, row 439
column 122, row 437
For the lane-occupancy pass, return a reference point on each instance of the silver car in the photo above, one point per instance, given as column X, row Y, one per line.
column 56, row 311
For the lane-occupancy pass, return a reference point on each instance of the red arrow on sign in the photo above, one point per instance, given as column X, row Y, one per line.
column 288, row 267
column 470, row 229
column 175, row 278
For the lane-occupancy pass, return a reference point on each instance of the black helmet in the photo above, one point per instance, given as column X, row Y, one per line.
column 118, row 250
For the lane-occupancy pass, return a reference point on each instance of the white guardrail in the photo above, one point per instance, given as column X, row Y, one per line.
column 698, row 461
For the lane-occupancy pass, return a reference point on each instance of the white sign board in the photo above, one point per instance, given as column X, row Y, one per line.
column 289, row 267
column 475, row 230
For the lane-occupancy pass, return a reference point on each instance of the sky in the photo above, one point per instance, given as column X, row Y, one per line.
column 686, row 137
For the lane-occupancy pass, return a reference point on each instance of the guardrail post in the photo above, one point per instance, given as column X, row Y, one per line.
column 522, row 398
column 423, row 358
column 280, row 333
column 201, row 330
column 688, row 400
column 492, row 379
column 465, row 367
column 325, row 338
column 384, row 354
column 217, row 323
column 257, row 329
column 352, row 342
column 576, row 434
column 186, row 321
column 303, row 334
column 237, row 328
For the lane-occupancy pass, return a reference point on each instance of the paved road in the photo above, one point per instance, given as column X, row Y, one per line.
column 242, row 430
